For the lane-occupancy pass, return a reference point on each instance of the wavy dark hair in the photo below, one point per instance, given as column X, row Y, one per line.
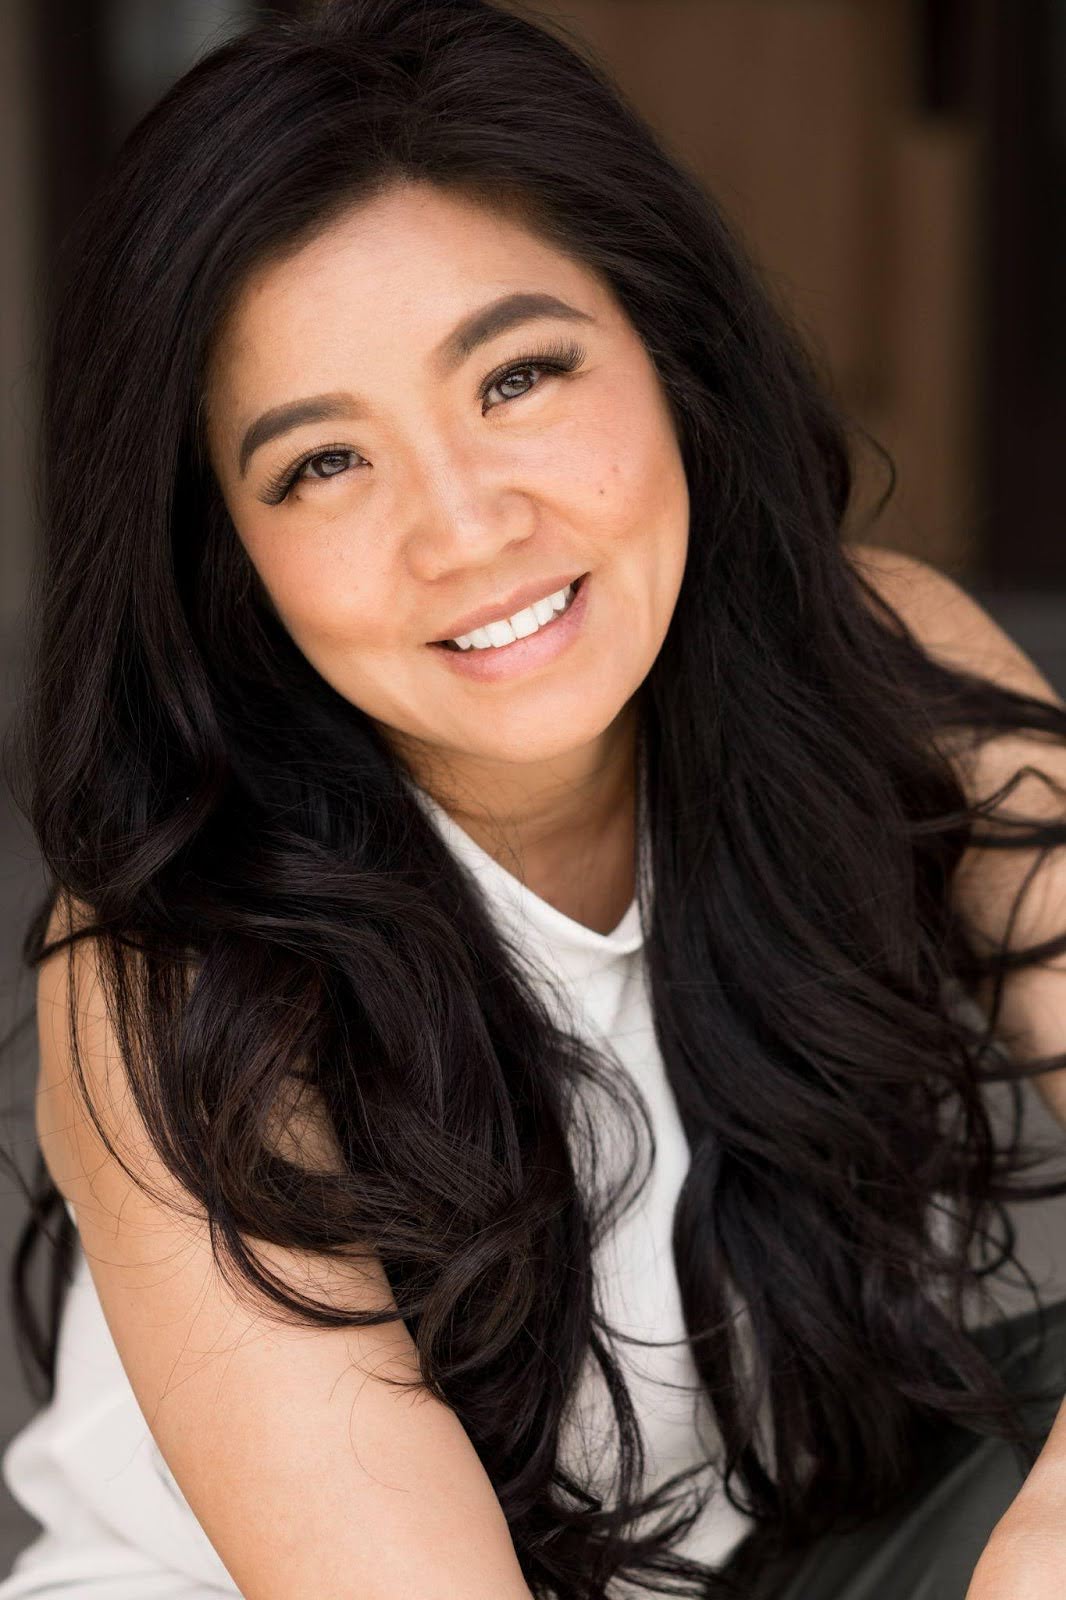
column 271, row 905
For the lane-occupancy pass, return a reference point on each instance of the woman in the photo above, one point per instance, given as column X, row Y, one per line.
column 507, row 1001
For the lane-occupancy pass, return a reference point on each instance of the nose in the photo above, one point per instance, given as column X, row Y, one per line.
column 473, row 509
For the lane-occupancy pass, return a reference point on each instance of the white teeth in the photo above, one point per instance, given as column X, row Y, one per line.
column 501, row 633
column 520, row 626
column 524, row 623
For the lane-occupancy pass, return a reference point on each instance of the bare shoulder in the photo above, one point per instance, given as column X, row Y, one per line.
column 74, row 1031
column 952, row 626
column 947, row 620
column 71, row 994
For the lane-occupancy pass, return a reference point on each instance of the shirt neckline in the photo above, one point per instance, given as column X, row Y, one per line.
column 526, row 915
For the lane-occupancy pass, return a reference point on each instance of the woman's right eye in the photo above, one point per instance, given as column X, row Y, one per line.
column 327, row 464
column 327, row 456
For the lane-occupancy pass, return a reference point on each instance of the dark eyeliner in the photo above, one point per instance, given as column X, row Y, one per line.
column 275, row 490
column 558, row 357
column 555, row 357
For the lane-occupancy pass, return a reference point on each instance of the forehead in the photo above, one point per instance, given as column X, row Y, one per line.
column 404, row 266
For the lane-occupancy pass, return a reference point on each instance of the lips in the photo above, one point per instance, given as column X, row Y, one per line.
column 517, row 601
column 574, row 587
column 529, row 656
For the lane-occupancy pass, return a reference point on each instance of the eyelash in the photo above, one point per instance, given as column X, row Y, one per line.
column 560, row 359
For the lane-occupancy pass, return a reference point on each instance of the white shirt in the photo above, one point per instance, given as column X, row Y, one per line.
column 115, row 1524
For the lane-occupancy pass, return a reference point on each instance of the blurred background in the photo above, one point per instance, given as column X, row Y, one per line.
column 898, row 168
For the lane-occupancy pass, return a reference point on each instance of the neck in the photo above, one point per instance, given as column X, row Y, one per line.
column 566, row 829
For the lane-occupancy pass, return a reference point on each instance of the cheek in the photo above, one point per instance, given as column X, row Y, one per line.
column 614, row 464
column 324, row 596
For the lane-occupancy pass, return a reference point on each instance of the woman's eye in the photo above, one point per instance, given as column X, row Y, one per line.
column 558, row 360
column 328, row 464
column 527, row 366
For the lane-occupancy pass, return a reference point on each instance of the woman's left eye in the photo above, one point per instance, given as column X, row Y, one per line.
column 527, row 366
column 560, row 359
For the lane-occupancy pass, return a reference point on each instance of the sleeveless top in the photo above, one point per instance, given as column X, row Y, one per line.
column 115, row 1524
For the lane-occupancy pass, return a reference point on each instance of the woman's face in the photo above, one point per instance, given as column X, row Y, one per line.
column 389, row 474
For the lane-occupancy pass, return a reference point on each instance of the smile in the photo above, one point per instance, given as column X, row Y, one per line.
column 529, row 652
column 497, row 635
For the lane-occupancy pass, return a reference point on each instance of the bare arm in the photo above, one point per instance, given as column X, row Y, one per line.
column 1026, row 1554
column 308, row 1473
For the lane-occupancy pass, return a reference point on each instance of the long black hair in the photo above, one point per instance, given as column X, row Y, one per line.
column 271, row 906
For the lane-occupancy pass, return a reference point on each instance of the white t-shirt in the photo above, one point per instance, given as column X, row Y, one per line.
column 115, row 1525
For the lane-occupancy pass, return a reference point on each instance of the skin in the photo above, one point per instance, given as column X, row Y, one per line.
column 448, row 502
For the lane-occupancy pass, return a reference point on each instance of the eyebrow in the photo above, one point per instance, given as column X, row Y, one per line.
column 475, row 329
